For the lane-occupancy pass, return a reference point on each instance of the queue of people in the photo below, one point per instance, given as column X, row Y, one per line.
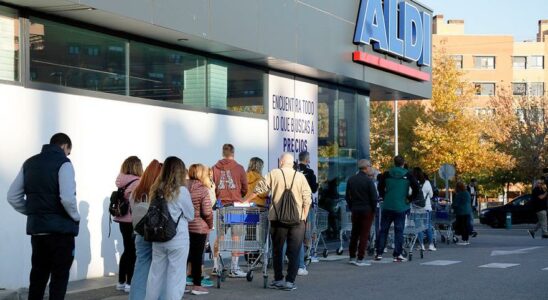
column 45, row 190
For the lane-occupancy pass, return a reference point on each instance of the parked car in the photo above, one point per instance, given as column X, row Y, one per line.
column 520, row 208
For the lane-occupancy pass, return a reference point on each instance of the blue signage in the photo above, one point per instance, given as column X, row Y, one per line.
column 397, row 28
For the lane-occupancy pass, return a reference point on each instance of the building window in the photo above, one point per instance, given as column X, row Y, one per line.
column 168, row 75
column 519, row 89
column 9, row 44
column 235, row 87
column 102, row 69
column 484, row 112
column 519, row 62
column 458, row 61
column 485, row 89
column 536, row 89
column 484, row 62
column 535, row 62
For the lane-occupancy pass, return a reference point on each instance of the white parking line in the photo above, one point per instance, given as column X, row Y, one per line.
column 441, row 262
column 498, row 265
column 545, row 269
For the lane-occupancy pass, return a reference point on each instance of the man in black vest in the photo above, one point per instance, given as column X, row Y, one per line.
column 45, row 191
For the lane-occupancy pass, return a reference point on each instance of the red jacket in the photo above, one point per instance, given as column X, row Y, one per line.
column 230, row 181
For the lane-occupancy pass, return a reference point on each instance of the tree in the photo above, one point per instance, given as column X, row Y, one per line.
column 518, row 127
column 450, row 134
column 381, row 134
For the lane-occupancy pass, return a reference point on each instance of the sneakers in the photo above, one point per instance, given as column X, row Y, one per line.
column 289, row 286
column 531, row 233
column 189, row 281
column 474, row 234
column 198, row 290
column 215, row 272
column 206, row 282
column 302, row 272
column 314, row 259
column 120, row 286
column 127, row 288
column 545, row 236
column 463, row 243
column 237, row 273
column 421, row 247
column 378, row 257
column 400, row 258
column 361, row 263
column 277, row 284
column 352, row 261
column 432, row 247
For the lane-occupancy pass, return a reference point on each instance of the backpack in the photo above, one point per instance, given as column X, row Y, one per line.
column 119, row 205
column 419, row 201
column 289, row 213
column 157, row 225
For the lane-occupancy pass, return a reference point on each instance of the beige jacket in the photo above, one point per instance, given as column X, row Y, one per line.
column 274, row 183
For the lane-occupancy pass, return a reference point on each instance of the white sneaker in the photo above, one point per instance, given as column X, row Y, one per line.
column 237, row 273
column 302, row 272
column 314, row 259
column 463, row 243
column 361, row 263
column 352, row 261
column 432, row 247
column 127, row 288
column 421, row 247
column 120, row 286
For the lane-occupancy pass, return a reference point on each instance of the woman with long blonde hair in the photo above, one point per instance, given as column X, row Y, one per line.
column 168, row 268
column 139, row 206
column 203, row 223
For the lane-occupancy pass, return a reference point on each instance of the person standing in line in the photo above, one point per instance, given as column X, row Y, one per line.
column 428, row 193
column 202, row 224
column 139, row 202
column 254, row 176
column 473, row 190
column 45, row 191
column 230, row 186
column 275, row 183
column 463, row 209
column 303, row 167
column 393, row 189
column 130, row 173
column 168, row 268
column 539, row 203
column 361, row 198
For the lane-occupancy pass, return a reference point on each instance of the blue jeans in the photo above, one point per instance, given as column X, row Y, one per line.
column 387, row 217
column 142, row 266
column 429, row 230
column 301, row 256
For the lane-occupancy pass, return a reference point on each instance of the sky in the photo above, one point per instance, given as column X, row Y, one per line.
column 501, row 17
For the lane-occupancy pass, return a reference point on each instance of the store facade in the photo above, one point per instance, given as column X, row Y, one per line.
column 160, row 78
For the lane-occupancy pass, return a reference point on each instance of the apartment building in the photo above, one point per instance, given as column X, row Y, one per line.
column 494, row 61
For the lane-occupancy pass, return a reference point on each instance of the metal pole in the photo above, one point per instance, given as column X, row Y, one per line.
column 396, row 149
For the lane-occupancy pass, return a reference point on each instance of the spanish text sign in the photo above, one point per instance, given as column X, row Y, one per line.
column 293, row 119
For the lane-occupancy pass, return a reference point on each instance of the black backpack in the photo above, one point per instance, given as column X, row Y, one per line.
column 119, row 205
column 289, row 213
column 158, row 225
column 420, row 200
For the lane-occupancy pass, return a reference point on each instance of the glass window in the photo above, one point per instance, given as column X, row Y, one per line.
column 536, row 89
column 485, row 89
column 235, row 87
column 9, row 44
column 93, row 61
column 458, row 61
column 535, row 62
column 484, row 62
column 168, row 75
column 519, row 62
column 519, row 89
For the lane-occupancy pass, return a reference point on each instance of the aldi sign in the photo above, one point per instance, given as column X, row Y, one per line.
column 396, row 28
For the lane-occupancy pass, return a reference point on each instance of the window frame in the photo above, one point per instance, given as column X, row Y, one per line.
column 524, row 93
column 535, row 67
column 524, row 62
column 476, row 84
column 481, row 57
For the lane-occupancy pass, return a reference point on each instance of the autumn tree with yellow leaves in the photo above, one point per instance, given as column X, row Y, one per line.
column 449, row 133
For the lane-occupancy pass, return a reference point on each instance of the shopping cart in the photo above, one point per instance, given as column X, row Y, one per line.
column 346, row 224
column 414, row 224
column 443, row 219
column 244, row 230
column 315, row 226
